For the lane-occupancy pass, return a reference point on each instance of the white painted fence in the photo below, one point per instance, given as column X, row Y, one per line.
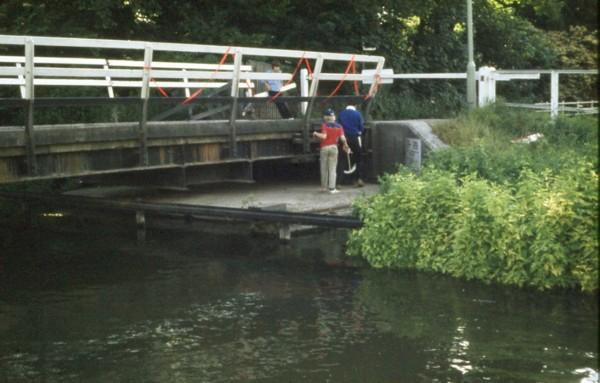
column 487, row 77
column 29, row 70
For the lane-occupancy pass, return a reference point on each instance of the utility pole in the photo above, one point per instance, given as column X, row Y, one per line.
column 471, row 63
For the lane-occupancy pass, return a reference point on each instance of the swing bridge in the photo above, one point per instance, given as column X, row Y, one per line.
column 180, row 114
column 174, row 115
column 146, row 117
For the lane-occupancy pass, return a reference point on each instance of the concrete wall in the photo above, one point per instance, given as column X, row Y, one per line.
column 189, row 152
column 389, row 142
column 94, row 149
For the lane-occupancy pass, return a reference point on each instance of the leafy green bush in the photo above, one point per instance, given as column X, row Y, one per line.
column 524, row 215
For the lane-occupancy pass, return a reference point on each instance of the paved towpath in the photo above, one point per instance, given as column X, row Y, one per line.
column 294, row 196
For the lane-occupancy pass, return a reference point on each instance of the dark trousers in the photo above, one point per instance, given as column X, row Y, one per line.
column 356, row 157
column 281, row 106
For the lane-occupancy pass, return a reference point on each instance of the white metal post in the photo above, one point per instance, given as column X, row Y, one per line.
column 186, row 90
column 376, row 76
column 314, row 84
column 235, row 86
column 29, row 94
column 235, row 81
column 109, row 87
column 373, row 88
column 21, row 77
column 145, row 94
column 487, row 85
column 312, row 92
column 29, row 53
column 111, row 92
column 554, row 93
column 471, row 62
column 303, row 89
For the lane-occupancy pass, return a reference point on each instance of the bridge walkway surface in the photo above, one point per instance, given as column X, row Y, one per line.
column 292, row 196
column 293, row 206
column 284, row 207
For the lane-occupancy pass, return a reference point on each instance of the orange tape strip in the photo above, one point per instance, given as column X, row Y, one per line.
column 199, row 91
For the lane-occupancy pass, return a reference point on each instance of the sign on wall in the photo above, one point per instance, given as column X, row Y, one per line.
column 413, row 153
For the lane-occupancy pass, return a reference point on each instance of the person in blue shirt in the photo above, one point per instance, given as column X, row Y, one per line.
column 353, row 123
column 274, row 87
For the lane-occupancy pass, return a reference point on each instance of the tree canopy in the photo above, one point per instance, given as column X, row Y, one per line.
column 413, row 35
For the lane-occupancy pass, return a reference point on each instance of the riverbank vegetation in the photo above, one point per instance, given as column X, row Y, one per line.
column 494, row 210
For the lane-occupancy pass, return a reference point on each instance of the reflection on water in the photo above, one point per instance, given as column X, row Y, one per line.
column 189, row 308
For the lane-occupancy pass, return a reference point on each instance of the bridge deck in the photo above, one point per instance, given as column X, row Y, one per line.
column 291, row 206
column 179, row 152
column 293, row 196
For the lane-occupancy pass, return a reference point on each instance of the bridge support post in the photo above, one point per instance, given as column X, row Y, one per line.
column 143, row 133
column 27, row 215
column 237, row 63
column 30, row 139
column 140, row 223
column 145, row 95
column 285, row 232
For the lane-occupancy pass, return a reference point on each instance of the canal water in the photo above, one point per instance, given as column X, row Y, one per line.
column 93, row 306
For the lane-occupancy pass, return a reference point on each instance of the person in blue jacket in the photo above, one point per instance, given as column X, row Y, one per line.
column 353, row 123
column 274, row 88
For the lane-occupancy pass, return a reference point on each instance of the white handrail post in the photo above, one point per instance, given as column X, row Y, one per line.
column 111, row 92
column 29, row 59
column 373, row 88
column 235, row 86
column 29, row 96
column 492, row 85
column 487, row 85
column 303, row 89
column 471, row 62
column 314, row 85
column 378, row 70
column 554, row 94
column 145, row 95
column 187, row 92
column 145, row 91
column 109, row 87
column 22, row 78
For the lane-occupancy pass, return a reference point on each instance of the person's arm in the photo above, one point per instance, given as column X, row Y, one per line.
column 361, row 123
column 345, row 144
column 320, row 135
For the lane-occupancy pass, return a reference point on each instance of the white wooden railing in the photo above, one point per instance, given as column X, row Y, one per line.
column 28, row 71
column 487, row 77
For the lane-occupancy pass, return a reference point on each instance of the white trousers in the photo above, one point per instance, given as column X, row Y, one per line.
column 328, row 158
